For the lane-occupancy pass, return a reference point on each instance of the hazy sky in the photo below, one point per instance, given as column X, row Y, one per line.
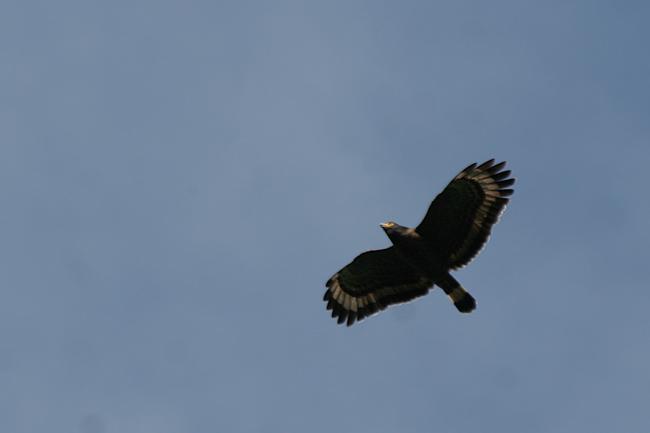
column 179, row 179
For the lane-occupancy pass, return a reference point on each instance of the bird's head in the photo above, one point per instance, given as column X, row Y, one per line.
column 390, row 226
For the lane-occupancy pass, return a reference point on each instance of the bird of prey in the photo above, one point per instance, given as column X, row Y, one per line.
column 453, row 231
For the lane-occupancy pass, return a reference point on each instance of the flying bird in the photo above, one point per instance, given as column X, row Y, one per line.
column 454, row 230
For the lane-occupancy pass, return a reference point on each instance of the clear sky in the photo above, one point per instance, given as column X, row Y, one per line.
column 179, row 179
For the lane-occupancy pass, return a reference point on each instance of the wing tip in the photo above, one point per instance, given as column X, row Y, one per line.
column 495, row 174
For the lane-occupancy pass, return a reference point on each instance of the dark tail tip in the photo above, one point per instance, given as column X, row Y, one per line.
column 466, row 304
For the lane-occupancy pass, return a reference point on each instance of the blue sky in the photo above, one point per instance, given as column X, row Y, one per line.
column 179, row 179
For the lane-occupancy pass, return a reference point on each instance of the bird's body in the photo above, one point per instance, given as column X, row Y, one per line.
column 426, row 261
column 452, row 233
column 413, row 249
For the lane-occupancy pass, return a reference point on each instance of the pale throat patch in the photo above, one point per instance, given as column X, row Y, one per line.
column 457, row 294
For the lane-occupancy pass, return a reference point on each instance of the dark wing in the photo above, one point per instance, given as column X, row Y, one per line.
column 370, row 283
column 460, row 218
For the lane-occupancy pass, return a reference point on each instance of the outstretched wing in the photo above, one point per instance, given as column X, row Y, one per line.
column 370, row 283
column 460, row 218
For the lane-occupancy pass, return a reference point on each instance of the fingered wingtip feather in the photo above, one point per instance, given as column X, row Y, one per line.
column 501, row 175
column 496, row 168
column 472, row 166
column 505, row 183
column 487, row 164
